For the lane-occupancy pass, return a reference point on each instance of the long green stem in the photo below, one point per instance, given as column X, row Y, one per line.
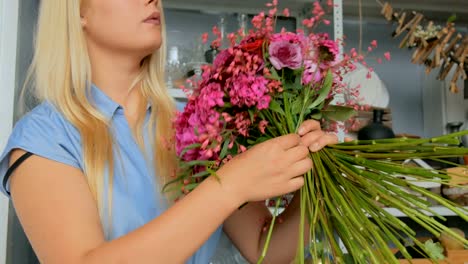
column 270, row 232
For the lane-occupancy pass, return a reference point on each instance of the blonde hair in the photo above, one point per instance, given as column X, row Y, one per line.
column 61, row 71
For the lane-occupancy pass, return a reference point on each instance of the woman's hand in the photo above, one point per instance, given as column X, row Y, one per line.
column 313, row 137
column 269, row 169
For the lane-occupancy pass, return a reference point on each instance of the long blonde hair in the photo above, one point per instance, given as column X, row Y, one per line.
column 61, row 72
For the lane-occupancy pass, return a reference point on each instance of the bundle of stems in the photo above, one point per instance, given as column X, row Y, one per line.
column 344, row 196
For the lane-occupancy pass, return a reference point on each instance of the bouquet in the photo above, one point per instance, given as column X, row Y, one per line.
column 265, row 85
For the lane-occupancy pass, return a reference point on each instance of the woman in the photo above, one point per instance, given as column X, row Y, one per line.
column 85, row 166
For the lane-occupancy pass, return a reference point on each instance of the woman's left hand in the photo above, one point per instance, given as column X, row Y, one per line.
column 314, row 137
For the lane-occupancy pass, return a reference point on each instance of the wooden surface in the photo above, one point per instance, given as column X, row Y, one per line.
column 453, row 257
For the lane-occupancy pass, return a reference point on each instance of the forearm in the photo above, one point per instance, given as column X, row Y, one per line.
column 245, row 228
column 175, row 235
column 285, row 237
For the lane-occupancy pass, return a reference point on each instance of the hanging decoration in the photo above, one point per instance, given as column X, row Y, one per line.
column 435, row 46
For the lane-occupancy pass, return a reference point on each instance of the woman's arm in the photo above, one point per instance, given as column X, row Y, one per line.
column 245, row 227
column 62, row 222
column 61, row 219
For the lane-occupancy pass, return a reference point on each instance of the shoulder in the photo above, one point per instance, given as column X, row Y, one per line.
column 44, row 132
column 42, row 116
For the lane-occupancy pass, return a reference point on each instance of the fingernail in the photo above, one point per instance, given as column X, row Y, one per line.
column 300, row 131
column 315, row 147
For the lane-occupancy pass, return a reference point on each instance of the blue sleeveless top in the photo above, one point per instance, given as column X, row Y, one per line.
column 136, row 192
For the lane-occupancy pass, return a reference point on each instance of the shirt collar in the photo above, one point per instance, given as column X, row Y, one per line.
column 105, row 104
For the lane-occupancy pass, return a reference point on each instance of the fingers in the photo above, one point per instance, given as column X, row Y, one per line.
column 310, row 138
column 297, row 153
column 288, row 141
column 308, row 126
column 300, row 167
column 316, row 140
column 294, row 184
column 326, row 139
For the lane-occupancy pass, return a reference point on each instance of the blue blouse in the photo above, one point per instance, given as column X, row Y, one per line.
column 136, row 192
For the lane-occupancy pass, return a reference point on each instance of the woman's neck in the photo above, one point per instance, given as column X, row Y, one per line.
column 115, row 73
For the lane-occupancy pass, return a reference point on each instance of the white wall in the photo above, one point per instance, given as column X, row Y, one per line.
column 8, row 41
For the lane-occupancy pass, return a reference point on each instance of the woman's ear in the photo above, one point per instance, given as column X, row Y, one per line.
column 83, row 21
column 83, row 11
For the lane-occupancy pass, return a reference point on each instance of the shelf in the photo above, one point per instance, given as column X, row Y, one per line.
column 177, row 93
column 443, row 211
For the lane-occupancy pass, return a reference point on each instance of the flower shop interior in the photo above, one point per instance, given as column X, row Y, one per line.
column 420, row 96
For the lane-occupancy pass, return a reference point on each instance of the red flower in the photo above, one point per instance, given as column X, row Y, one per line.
column 252, row 45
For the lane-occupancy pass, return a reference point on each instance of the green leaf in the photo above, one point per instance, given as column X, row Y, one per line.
column 452, row 18
column 227, row 105
column 251, row 114
column 297, row 106
column 192, row 163
column 224, row 150
column 435, row 250
column 298, row 81
column 317, row 116
column 274, row 74
column 257, row 141
column 276, row 107
column 338, row 113
column 326, row 87
column 189, row 147
column 201, row 174
column 191, row 186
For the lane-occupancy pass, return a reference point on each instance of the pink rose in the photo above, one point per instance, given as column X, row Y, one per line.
column 284, row 54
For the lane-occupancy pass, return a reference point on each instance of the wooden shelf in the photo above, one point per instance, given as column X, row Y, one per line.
column 453, row 257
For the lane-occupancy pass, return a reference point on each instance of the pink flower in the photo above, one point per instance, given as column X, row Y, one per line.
column 374, row 43
column 308, row 22
column 311, row 73
column 286, row 12
column 257, row 21
column 387, row 56
column 222, row 59
column 205, row 38
column 262, row 125
column 326, row 22
column 328, row 50
column 248, row 90
column 284, row 54
column 273, row 11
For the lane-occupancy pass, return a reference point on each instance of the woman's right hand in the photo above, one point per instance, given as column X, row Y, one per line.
column 269, row 169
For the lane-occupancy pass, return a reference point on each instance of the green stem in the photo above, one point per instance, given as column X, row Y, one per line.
column 270, row 232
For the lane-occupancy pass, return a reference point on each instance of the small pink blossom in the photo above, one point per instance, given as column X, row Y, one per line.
column 257, row 20
column 387, row 56
column 326, row 22
column 374, row 43
column 308, row 22
column 286, row 12
column 242, row 148
column 262, row 125
column 273, row 12
column 205, row 38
